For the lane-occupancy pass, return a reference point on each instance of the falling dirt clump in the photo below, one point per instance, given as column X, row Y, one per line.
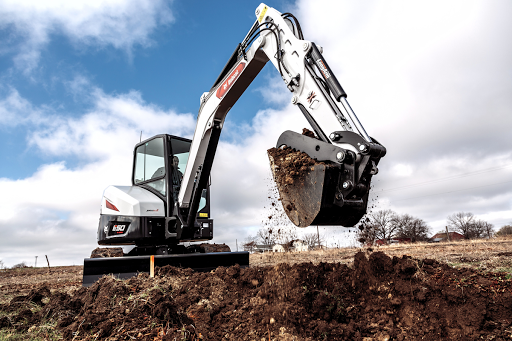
column 309, row 133
column 379, row 298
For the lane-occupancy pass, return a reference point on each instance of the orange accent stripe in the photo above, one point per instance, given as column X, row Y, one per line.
column 110, row 206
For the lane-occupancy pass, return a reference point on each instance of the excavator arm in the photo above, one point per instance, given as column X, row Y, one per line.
column 318, row 95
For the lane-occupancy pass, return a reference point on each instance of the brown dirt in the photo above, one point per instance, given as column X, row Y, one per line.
column 207, row 247
column 104, row 252
column 296, row 180
column 378, row 297
column 21, row 281
column 290, row 165
column 309, row 133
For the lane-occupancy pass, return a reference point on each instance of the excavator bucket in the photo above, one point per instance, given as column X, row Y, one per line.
column 310, row 191
column 126, row 267
column 309, row 201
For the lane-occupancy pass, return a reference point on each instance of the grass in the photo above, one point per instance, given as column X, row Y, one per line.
column 480, row 254
column 13, row 335
column 44, row 332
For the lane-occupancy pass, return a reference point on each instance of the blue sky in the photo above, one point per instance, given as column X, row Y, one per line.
column 171, row 67
column 80, row 80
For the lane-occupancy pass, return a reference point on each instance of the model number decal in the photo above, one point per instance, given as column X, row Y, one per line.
column 118, row 228
column 221, row 91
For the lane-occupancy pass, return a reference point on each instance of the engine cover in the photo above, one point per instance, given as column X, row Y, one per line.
column 131, row 201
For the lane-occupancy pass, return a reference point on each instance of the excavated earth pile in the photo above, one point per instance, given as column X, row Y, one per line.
column 379, row 298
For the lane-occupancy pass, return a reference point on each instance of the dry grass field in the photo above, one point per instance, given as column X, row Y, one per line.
column 481, row 254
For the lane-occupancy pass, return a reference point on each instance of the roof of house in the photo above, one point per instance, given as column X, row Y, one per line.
column 451, row 234
column 263, row 246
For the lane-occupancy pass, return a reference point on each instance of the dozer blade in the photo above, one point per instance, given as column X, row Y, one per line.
column 126, row 267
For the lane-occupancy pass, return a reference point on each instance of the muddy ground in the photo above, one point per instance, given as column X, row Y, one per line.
column 371, row 296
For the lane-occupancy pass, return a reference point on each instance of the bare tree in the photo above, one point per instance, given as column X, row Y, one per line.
column 488, row 230
column 411, row 227
column 250, row 243
column 383, row 223
column 285, row 234
column 462, row 222
column 266, row 236
column 20, row 265
column 2, row 265
column 312, row 240
column 377, row 225
column 505, row 230
column 480, row 228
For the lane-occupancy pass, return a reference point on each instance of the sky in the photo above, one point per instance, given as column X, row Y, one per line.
column 80, row 81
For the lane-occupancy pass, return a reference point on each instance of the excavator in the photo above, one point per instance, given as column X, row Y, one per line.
column 168, row 203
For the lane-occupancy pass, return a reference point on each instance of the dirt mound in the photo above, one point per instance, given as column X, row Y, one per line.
column 380, row 298
column 207, row 247
column 104, row 252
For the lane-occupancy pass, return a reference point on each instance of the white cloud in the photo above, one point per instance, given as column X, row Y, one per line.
column 16, row 110
column 112, row 125
column 121, row 24
column 55, row 211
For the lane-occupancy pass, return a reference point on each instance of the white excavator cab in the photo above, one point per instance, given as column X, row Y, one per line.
column 144, row 214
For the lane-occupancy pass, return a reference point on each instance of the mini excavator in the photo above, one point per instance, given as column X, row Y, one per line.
column 169, row 200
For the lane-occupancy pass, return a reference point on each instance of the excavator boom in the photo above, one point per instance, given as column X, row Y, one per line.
column 315, row 90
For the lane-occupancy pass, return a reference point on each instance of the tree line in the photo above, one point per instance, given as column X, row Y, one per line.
column 386, row 225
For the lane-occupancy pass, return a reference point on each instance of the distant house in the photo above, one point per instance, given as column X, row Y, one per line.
column 441, row 237
column 298, row 245
column 400, row 240
column 278, row 248
column 380, row 242
column 262, row 248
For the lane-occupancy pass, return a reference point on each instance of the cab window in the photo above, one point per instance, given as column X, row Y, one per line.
column 150, row 165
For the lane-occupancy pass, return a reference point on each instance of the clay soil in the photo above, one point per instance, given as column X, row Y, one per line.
column 454, row 291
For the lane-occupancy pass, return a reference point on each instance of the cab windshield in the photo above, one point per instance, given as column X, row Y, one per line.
column 150, row 165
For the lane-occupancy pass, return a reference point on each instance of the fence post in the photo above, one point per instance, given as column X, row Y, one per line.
column 47, row 261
